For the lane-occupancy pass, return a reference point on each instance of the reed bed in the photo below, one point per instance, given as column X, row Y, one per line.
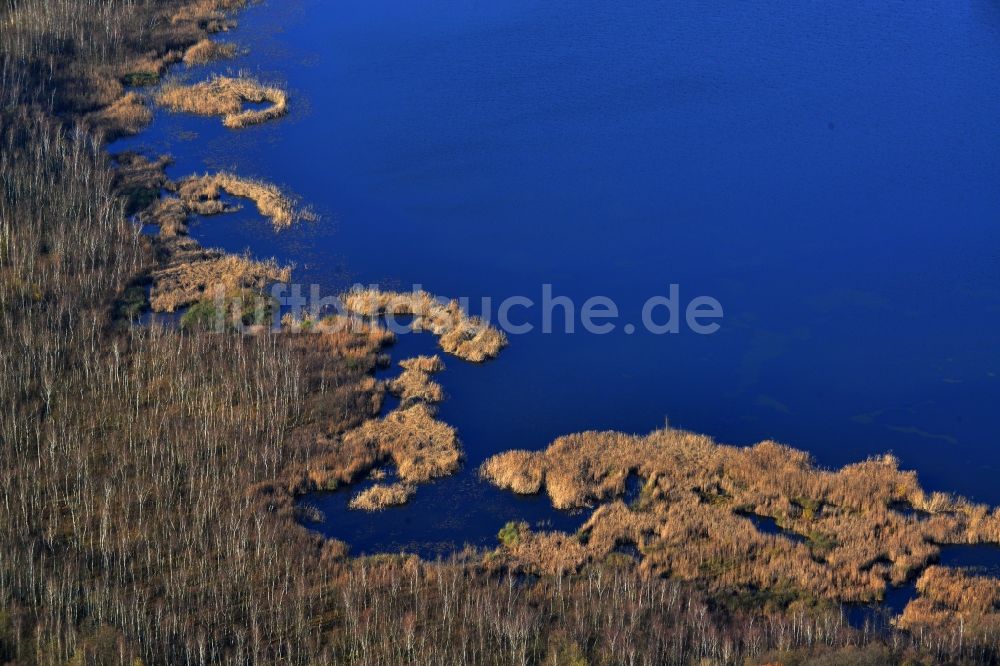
column 414, row 384
column 124, row 117
column 211, row 276
column 421, row 447
column 469, row 338
column 380, row 497
column 208, row 50
column 226, row 97
column 690, row 517
column 203, row 195
column 953, row 600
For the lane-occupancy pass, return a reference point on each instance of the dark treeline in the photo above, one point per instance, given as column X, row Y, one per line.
column 147, row 475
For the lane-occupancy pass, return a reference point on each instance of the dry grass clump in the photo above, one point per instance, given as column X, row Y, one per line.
column 519, row 471
column 427, row 364
column 203, row 195
column 552, row 553
column 170, row 215
column 420, row 446
column 208, row 275
column 414, row 384
column 689, row 518
column 208, row 13
column 225, row 96
column 469, row 338
column 207, row 50
column 381, row 496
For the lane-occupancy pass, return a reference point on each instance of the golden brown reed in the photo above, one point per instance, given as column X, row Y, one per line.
column 203, row 195
column 469, row 338
column 226, row 96
column 954, row 600
column 414, row 384
column 420, row 446
column 125, row 116
column 209, row 276
column 426, row 364
column 689, row 519
column 381, row 496
column 207, row 50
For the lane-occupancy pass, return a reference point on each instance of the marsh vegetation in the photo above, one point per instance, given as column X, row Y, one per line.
column 225, row 96
column 689, row 519
column 467, row 337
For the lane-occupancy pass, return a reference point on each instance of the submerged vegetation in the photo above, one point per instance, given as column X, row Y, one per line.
column 148, row 477
column 469, row 338
column 226, row 97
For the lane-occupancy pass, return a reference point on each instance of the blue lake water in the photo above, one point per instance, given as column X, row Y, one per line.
column 829, row 172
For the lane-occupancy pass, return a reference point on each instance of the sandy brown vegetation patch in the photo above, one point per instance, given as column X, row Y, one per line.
column 421, row 448
column 203, row 195
column 123, row 117
column 414, row 384
column 552, row 553
column 689, row 519
column 208, row 274
column 381, row 496
column 469, row 338
column 953, row 600
column 428, row 364
column 210, row 14
column 226, row 96
column 207, row 50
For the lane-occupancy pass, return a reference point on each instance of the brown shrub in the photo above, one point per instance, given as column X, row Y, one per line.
column 225, row 96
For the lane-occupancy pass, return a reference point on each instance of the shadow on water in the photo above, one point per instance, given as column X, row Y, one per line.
column 633, row 489
column 909, row 511
column 878, row 617
column 768, row 525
